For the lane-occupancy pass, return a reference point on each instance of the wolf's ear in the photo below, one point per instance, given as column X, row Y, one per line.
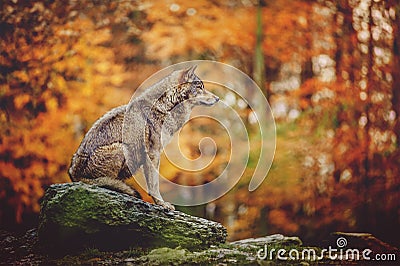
column 187, row 74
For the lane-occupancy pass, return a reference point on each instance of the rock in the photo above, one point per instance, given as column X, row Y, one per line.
column 363, row 241
column 268, row 240
column 75, row 216
column 242, row 252
column 19, row 248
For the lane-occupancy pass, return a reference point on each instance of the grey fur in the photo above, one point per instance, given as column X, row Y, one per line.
column 129, row 136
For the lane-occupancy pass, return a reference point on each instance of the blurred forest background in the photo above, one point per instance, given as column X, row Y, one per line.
column 330, row 70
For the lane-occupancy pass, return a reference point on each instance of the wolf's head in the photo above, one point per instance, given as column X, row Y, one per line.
column 194, row 89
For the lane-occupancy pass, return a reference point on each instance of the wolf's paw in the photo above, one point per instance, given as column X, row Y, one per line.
column 169, row 206
column 166, row 205
column 159, row 201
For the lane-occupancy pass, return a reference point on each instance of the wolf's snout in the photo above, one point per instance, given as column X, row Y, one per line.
column 207, row 98
column 214, row 99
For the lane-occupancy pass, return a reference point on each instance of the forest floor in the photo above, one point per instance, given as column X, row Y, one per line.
column 25, row 250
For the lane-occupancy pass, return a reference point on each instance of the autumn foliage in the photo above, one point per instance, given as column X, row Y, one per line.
column 331, row 75
column 51, row 74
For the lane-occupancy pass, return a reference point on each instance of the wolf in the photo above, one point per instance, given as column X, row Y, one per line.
column 133, row 135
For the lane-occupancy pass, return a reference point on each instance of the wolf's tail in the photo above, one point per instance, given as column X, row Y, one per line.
column 113, row 184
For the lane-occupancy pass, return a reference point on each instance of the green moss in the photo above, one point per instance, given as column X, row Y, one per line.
column 168, row 256
column 80, row 207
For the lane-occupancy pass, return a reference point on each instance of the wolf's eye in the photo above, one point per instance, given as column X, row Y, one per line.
column 198, row 84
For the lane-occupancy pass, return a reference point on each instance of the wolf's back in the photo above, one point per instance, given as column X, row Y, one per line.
column 105, row 131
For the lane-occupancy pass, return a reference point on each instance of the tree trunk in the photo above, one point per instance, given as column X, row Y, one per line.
column 259, row 66
column 396, row 70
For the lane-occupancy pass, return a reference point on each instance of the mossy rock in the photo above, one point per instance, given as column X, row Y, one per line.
column 75, row 216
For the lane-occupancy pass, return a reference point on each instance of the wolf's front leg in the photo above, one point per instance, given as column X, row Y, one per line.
column 151, row 172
